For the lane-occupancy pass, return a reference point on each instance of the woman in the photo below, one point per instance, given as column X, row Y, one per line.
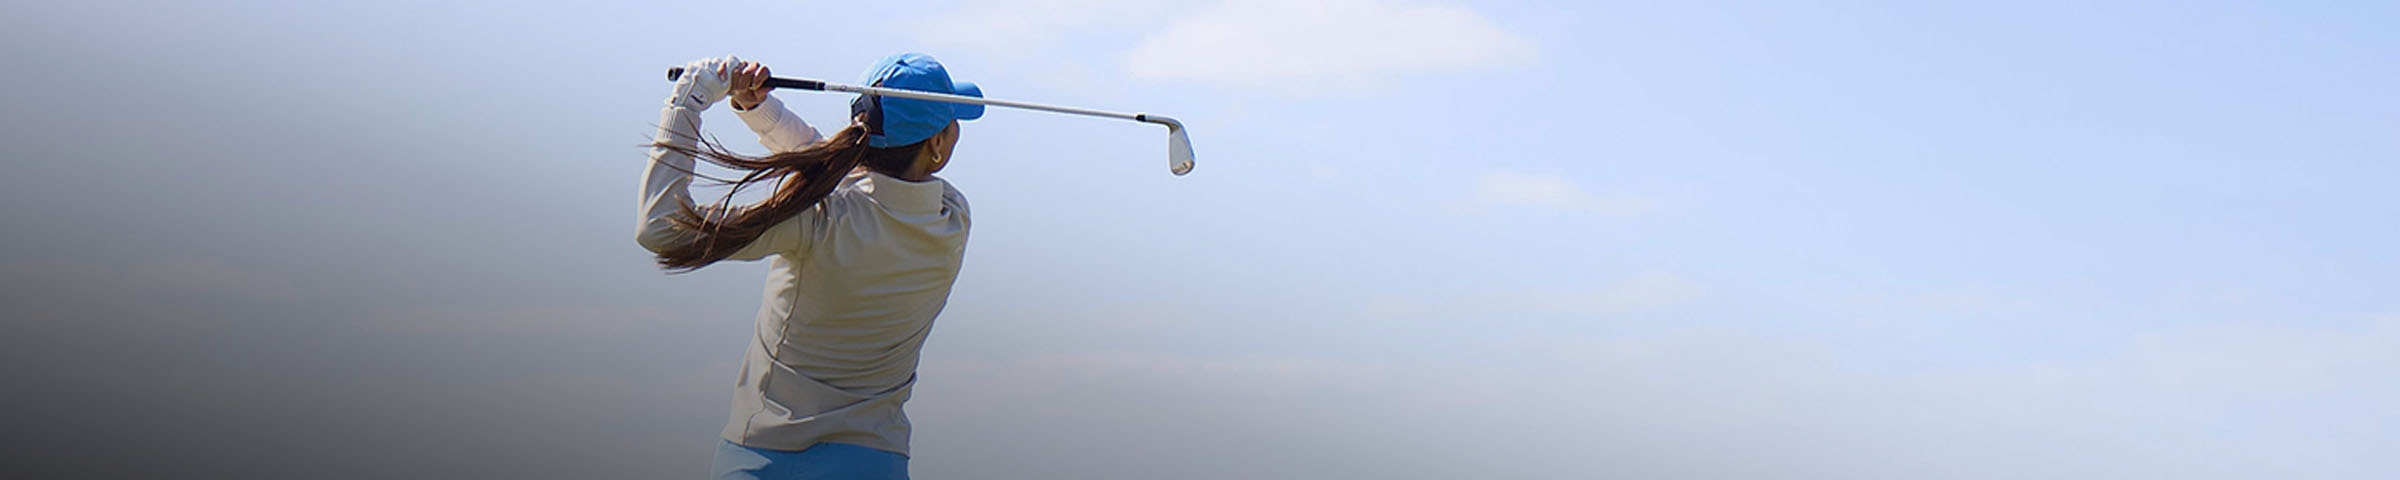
column 864, row 243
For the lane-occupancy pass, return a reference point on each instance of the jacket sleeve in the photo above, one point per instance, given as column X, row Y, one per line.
column 667, row 181
column 778, row 129
column 666, row 191
column 786, row 236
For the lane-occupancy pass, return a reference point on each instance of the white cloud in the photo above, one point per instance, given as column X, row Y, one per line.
column 1019, row 26
column 1516, row 190
column 1642, row 292
column 1646, row 291
column 2249, row 361
column 1310, row 46
column 1327, row 44
column 1935, row 300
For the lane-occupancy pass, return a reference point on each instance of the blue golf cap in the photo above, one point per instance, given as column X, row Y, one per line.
column 895, row 122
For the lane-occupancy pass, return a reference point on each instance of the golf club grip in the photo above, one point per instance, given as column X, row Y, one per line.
column 772, row 82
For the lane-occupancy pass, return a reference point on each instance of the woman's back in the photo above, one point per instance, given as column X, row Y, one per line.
column 846, row 311
column 851, row 307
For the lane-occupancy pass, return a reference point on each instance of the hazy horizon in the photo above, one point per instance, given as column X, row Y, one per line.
column 1424, row 239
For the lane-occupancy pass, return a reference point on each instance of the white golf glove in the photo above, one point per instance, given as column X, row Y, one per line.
column 704, row 82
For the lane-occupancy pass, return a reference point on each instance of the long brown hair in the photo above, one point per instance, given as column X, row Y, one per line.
column 802, row 178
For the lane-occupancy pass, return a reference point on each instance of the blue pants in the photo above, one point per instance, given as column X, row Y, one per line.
column 823, row 461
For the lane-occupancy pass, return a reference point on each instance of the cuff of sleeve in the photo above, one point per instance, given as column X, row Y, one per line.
column 678, row 124
column 763, row 114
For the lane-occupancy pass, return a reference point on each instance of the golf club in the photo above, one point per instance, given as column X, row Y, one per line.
column 1179, row 145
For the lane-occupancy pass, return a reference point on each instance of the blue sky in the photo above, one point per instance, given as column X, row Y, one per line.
column 1424, row 239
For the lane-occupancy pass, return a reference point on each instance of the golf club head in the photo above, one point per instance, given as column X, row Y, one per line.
column 1179, row 144
column 1179, row 152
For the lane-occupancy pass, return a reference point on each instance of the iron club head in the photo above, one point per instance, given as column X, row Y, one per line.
column 1179, row 143
column 1179, row 152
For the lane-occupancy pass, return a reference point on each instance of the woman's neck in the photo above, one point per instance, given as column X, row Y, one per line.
column 916, row 174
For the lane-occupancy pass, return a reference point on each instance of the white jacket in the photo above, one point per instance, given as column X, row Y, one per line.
column 854, row 285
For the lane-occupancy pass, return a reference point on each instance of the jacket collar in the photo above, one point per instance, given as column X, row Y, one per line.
column 902, row 195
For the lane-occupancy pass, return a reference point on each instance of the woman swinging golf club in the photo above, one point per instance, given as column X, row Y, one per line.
column 865, row 243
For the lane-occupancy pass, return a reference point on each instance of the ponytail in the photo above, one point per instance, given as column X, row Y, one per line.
column 802, row 179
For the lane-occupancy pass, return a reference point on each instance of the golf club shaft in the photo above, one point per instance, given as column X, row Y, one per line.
column 1179, row 144
column 807, row 84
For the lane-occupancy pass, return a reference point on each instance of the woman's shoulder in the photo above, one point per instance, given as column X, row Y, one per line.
column 952, row 199
column 850, row 193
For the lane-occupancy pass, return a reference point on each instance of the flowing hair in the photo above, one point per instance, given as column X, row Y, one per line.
column 802, row 178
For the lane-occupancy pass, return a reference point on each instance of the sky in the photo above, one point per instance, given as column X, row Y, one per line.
column 1425, row 239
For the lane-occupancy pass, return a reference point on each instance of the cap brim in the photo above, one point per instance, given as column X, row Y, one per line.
column 968, row 111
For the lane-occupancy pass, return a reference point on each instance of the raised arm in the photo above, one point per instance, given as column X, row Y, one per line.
column 667, row 180
column 778, row 129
